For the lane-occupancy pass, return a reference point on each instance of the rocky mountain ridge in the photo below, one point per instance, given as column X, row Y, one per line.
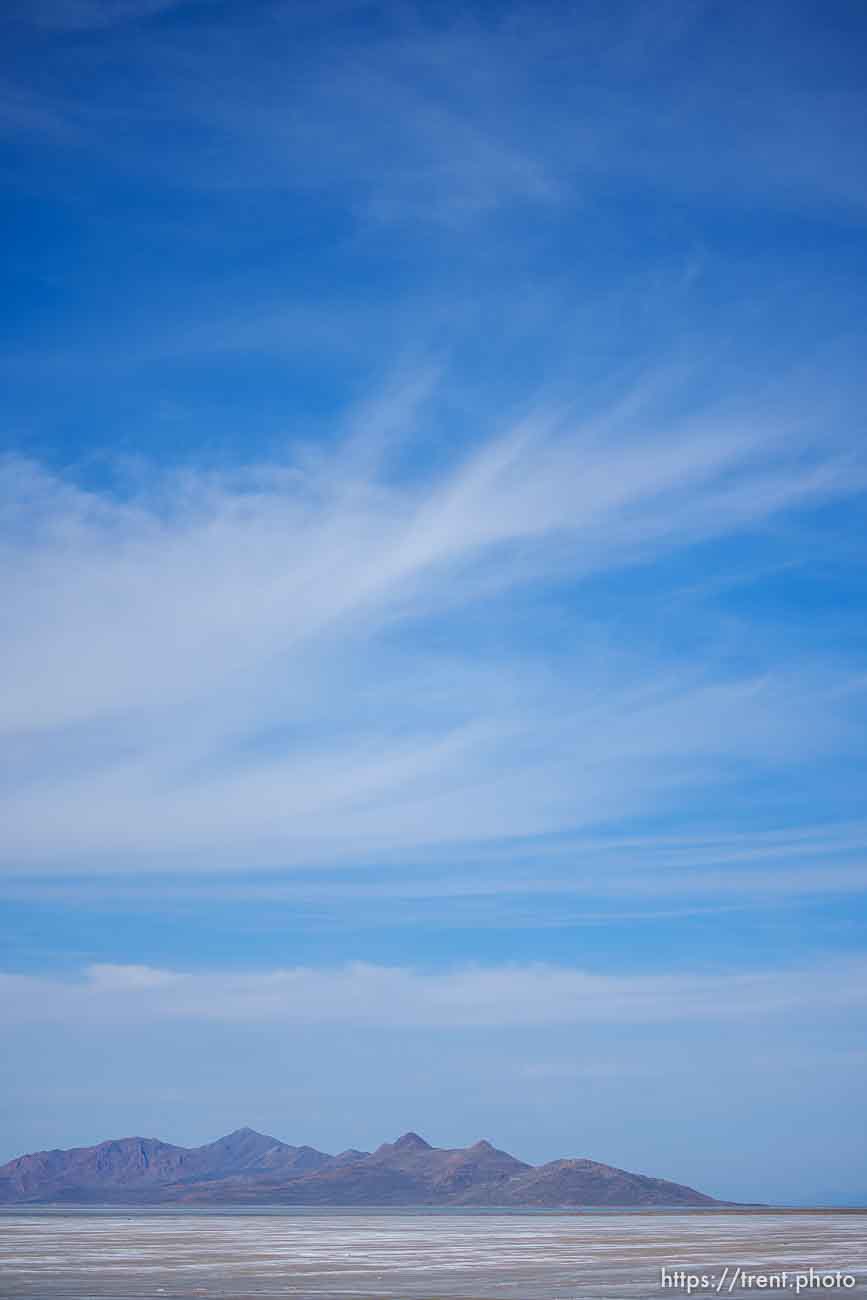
column 247, row 1167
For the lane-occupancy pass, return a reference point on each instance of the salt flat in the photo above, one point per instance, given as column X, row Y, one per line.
column 231, row 1254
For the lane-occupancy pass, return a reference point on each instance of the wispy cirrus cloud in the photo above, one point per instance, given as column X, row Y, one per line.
column 698, row 875
column 366, row 994
column 428, row 122
column 220, row 668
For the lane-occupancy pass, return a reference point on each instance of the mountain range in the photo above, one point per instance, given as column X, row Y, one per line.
column 249, row 1167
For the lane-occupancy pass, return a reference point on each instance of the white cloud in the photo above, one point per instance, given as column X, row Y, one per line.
column 367, row 994
column 418, row 120
column 562, row 880
column 211, row 669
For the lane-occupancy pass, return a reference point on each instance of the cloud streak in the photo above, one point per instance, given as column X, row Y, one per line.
column 367, row 994
column 222, row 668
column 447, row 123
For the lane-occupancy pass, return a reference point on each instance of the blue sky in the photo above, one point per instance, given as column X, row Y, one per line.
column 433, row 561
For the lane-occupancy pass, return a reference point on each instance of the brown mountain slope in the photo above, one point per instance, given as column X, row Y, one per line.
column 128, row 1162
column 249, row 1167
column 406, row 1172
column 141, row 1167
column 586, row 1182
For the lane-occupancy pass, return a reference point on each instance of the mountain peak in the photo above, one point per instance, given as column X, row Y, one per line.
column 246, row 1140
column 245, row 1133
column 412, row 1142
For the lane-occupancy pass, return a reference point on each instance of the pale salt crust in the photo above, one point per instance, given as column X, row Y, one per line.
column 175, row 1254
